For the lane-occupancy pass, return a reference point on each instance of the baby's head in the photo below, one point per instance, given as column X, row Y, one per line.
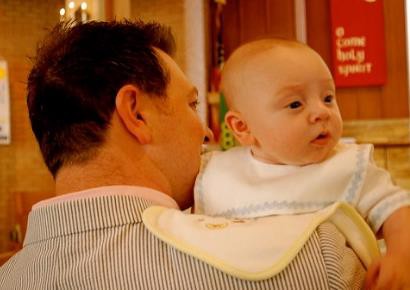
column 282, row 102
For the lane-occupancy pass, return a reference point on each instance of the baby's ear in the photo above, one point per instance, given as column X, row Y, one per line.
column 240, row 128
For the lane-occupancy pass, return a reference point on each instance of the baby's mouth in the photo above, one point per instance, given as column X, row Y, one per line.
column 322, row 139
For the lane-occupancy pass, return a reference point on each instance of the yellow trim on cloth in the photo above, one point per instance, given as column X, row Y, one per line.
column 258, row 248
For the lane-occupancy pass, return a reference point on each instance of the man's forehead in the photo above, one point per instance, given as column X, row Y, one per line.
column 178, row 80
column 170, row 65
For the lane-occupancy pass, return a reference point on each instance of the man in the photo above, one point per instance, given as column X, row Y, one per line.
column 115, row 120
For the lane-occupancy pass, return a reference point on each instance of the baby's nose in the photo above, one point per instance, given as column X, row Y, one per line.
column 319, row 113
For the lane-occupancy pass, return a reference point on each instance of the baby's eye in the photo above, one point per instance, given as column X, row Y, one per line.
column 295, row 105
column 329, row 99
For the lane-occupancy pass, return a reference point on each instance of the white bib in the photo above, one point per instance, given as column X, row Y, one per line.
column 234, row 184
column 256, row 249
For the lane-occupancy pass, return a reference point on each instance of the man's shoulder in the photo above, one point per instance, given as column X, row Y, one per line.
column 141, row 260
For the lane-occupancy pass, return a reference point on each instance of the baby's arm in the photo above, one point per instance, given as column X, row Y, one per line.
column 393, row 270
column 387, row 209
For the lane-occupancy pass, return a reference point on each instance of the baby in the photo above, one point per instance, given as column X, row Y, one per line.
column 283, row 111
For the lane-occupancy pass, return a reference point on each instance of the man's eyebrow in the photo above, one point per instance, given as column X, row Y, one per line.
column 193, row 91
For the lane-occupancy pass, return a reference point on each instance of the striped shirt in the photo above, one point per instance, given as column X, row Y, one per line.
column 100, row 242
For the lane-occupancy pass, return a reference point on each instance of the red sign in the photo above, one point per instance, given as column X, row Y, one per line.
column 358, row 49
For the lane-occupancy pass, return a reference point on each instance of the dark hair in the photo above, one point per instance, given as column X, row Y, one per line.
column 77, row 73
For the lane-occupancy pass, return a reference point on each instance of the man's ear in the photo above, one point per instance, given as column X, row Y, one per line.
column 240, row 128
column 129, row 104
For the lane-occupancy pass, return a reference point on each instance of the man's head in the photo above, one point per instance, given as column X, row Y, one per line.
column 76, row 76
column 92, row 77
column 282, row 102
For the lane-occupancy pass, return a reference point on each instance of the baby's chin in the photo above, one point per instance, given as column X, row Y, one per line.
column 309, row 160
column 293, row 159
column 290, row 161
column 312, row 161
column 306, row 160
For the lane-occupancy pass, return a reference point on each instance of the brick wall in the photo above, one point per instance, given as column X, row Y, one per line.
column 22, row 24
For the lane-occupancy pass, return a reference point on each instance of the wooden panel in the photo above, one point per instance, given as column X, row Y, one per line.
column 362, row 103
column 281, row 19
column 253, row 17
column 398, row 165
column 370, row 104
column 232, row 27
column 348, row 104
column 383, row 132
column 318, row 27
column 246, row 20
column 388, row 101
column 109, row 10
column 392, row 144
column 21, row 166
column 395, row 93
column 379, row 155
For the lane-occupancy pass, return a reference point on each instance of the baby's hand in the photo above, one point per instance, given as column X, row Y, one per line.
column 391, row 272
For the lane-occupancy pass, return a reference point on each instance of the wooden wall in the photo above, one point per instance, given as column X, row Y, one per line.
column 246, row 20
column 23, row 24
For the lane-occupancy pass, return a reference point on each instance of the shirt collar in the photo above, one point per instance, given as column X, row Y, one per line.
column 152, row 195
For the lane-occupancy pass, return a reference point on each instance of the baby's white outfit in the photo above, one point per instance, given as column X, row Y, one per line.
column 235, row 184
column 288, row 206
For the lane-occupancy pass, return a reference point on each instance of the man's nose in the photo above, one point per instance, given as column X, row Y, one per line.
column 209, row 136
column 319, row 113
